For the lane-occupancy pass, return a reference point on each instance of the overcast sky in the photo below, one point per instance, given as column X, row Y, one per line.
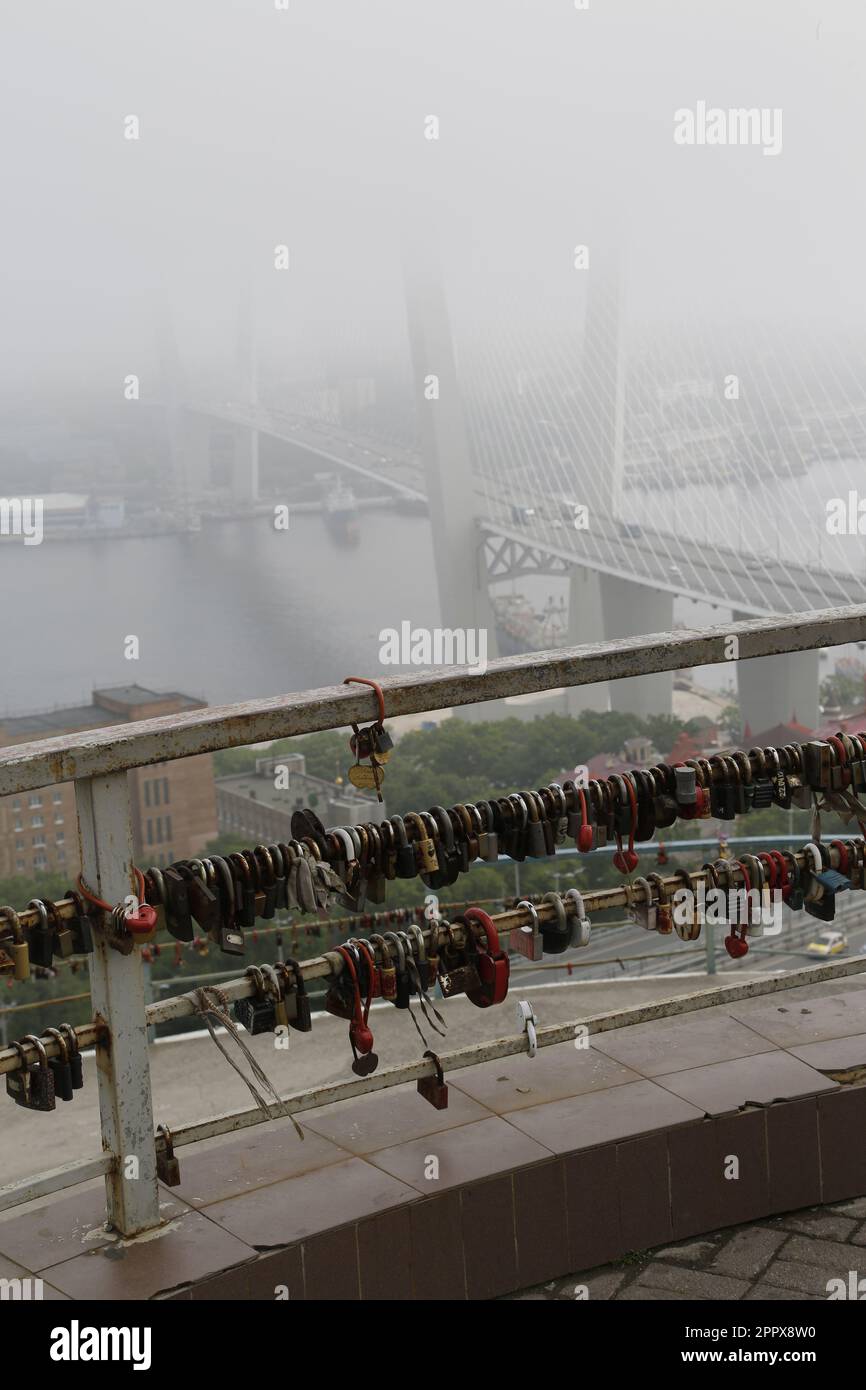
column 306, row 127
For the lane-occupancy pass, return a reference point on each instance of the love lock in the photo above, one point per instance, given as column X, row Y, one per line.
column 526, row 1016
column 527, row 940
column 492, row 962
column 140, row 920
column 581, row 927
column 434, row 1088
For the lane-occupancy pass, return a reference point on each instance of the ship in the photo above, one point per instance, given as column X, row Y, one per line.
column 339, row 508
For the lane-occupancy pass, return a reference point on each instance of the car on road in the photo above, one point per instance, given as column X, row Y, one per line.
column 828, row 943
column 675, row 572
column 522, row 515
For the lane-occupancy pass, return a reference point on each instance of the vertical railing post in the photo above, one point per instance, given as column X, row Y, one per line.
column 117, row 992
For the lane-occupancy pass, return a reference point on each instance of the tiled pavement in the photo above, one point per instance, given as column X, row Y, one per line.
column 538, row 1165
column 791, row 1257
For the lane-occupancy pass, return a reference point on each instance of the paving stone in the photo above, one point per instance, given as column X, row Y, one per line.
column 691, row 1283
column 642, row 1293
column 808, row 1279
column 600, row 1286
column 771, row 1292
column 688, row 1252
column 748, row 1252
column 855, row 1208
column 859, row 1237
column 821, row 1252
column 826, row 1225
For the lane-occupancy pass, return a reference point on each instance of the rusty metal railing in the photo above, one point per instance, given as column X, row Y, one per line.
column 98, row 761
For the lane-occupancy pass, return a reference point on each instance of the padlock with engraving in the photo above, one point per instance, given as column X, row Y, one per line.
column 61, row 1066
column 41, row 1078
column 426, row 859
column 434, row 1089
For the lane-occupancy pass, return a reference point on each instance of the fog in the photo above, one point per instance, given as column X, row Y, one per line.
column 306, row 127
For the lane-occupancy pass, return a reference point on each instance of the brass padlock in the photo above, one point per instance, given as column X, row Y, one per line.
column 426, row 858
column 18, row 948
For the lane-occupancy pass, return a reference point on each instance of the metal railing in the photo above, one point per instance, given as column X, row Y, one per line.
column 98, row 761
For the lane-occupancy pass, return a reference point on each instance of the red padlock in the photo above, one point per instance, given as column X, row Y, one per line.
column 584, row 833
column 492, row 963
column 626, row 860
column 140, row 921
column 737, row 946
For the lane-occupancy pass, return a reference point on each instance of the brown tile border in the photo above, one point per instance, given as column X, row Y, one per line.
column 509, row 1227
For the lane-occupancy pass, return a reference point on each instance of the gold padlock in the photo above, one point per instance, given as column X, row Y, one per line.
column 425, row 847
column 20, row 952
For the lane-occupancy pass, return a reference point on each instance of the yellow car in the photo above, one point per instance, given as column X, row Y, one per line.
column 828, row 943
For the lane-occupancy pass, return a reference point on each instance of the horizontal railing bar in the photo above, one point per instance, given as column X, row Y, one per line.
column 98, row 752
column 70, row 1175
column 476, row 1053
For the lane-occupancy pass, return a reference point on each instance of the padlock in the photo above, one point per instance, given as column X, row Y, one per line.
column 297, row 1001
column 275, row 990
column 167, row 1166
column 645, row 912
column 382, row 742
column 40, row 941
column 387, row 969
column 63, row 944
column 664, row 917
column 426, row 859
column 492, row 962
column 203, row 901
column 18, row 1082
column 18, row 948
column 686, row 786
column 434, row 1088
column 403, row 988
column 76, row 1066
column 61, row 1066
column 419, row 955
column 41, row 1078
column 280, row 875
column 140, row 921
column 817, row 764
column 488, row 839
column 267, row 878
column 256, row 1012
column 528, row 940
column 580, row 925
column 178, row 919
column 405, row 863
column 536, row 844
column 79, row 925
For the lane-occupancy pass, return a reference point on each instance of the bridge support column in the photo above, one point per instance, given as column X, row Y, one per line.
column 633, row 610
column 245, row 464
column 585, row 625
column 773, row 689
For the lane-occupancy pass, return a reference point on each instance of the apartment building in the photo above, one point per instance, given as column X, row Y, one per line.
column 173, row 804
